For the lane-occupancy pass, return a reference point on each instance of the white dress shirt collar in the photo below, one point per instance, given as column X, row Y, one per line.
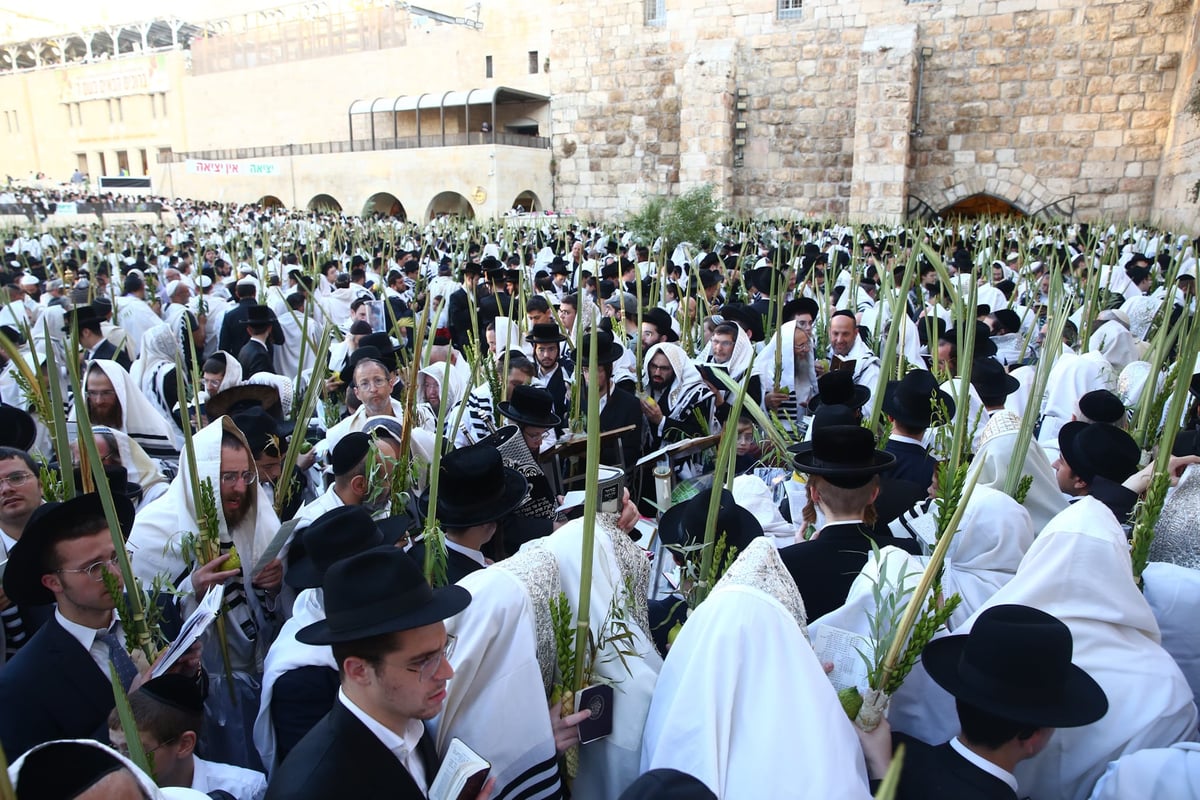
column 982, row 763
column 474, row 555
column 403, row 747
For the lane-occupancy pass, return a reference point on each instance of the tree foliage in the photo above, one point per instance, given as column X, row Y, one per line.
column 690, row 217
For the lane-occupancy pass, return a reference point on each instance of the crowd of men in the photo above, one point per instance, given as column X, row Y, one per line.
column 362, row 433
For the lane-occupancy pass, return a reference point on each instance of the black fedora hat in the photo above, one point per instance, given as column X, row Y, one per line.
column 379, row 591
column 362, row 353
column 1101, row 405
column 261, row 429
column 746, row 318
column 338, row 533
column 81, row 316
column 911, row 400
column 845, row 455
column 257, row 315
column 990, row 379
column 559, row 267
column 475, row 487
column 838, row 388
column 1098, row 449
column 118, row 483
column 984, row 346
column 608, row 349
column 28, row 558
column 661, row 320
column 531, row 405
column 545, row 333
column 1016, row 664
column 684, row 523
column 17, row 428
column 240, row 398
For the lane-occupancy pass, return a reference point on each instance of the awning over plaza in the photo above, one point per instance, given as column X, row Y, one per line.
column 441, row 102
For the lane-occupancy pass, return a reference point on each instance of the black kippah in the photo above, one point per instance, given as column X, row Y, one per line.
column 347, row 453
column 1102, row 405
column 176, row 691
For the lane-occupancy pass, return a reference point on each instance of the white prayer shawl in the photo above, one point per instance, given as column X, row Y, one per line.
column 139, row 467
column 1071, row 377
column 1114, row 341
column 1173, row 593
column 156, row 541
column 764, row 365
column 608, row 766
column 139, row 419
column 233, row 371
column 287, row 355
column 214, row 314
column 1079, row 571
column 743, row 352
column 144, row 781
column 740, row 672
column 287, row 654
column 160, row 351
column 983, row 556
column 752, row 494
column 1141, row 311
column 687, row 389
column 1018, row 401
column 994, row 457
column 866, row 370
column 1163, row 773
column 497, row 677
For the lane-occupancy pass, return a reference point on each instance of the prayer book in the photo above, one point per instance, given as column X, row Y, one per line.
column 192, row 629
column 599, row 700
column 462, row 776
column 845, row 650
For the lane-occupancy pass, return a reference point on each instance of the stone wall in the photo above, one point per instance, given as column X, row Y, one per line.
column 1174, row 205
column 1032, row 101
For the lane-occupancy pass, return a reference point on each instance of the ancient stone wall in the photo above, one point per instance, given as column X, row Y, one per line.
column 1033, row 101
column 1175, row 203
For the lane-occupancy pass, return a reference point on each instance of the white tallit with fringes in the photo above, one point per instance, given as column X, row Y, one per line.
column 139, row 418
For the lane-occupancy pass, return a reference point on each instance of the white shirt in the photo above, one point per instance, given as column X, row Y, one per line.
column 899, row 437
column 402, row 747
column 308, row 513
column 243, row 784
column 89, row 638
column 474, row 555
column 983, row 764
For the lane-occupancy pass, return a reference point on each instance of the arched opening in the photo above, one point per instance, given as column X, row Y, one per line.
column 386, row 204
column 269, row 201
column 451, row 203
column 324, row 202
column 528, row 202
column 982, row 205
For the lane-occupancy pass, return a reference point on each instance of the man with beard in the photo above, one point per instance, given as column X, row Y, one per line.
column 552, row 373
column 114, row 400
column 676, row 394
column 847, row 351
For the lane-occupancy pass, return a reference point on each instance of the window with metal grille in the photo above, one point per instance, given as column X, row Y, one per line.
column 790, row 9
column 655, row 11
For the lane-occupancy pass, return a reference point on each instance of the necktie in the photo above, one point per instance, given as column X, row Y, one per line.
column 126, row 669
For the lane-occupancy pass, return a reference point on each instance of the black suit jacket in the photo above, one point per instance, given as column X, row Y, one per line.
column 940, row 773
column 340, row 758
column 823, row 568
column 622, row 409
column 560, row 391
column 913, row 462
column 254, row 357
column 109, row 352
column 52, row 689
column 233, row 336
column 299, row 699
column 458, row 566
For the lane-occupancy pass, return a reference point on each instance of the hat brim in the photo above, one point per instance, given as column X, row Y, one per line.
column 219, row 404
column 609, row 356
column 857, row 400
column 23, row 573
column 910, row 417
column 1082, row 701
column 447, row 601
column 512, row 413
column 671, row 530
column 805, row 460
column 557, row 338
column 490, row 510
column 20, row 431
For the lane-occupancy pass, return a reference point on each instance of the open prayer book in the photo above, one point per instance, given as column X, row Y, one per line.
column 462, row 775
column 193, row 628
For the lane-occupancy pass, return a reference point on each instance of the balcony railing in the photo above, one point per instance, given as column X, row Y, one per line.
column 363, row 146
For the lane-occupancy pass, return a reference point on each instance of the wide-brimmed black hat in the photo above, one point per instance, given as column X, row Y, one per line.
column 845, row 455
column 990, row 379
column 338, row 533
column 1098, row 449
column 83, row 316
column 257, row 315
column 661, row 320
column 1016, row 664
column 531, row 405
column 243, row 397
column 360, row 354
column 984, row 346
column 838, row 388
column 545, row 333
column 475, row 487
column 28, row 558
column 379, row 591
column 262, row 429
column 684, row 523
column 17, row 428
column 746, row 318
column 559, row 267
column 914, row 400
column 118, row 483
column 608, row 349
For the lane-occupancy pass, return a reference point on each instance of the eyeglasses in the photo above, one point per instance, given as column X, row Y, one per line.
column 15, row 479
column 100, row 394
column 427, row 667
column 96, row 571
column 231, row 478
column 366, row 386
column 123, row 747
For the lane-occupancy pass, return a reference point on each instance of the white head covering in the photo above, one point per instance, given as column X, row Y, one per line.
column 687, row 382
column 508, row 336
column 139, row 419
column 157, row 346
column 233, row 371
column 740, row 672
column 992, row 460
column 1071, row 378
column 1114, row 341
column 764, row 366
column 139, row 467
column 743, row 351
column 498, row 676
column 752, row 494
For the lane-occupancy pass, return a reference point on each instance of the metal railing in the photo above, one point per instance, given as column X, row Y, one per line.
column 362, row 146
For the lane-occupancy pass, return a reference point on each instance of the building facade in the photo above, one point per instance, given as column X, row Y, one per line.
column 859, row 109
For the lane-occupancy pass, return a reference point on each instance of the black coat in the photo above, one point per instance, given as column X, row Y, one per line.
column 458, row 566
column 299, row 699
column 52, row 689
column 233, row 336
column 108, row 351
column 913, row 462
column 622, row 409
column 254, row 357
column 823, row 568
column 340, row 758
column 940, row 773
column 560, row 391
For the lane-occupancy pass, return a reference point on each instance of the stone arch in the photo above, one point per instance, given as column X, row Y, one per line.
column 1008, row 183
column 324, row 202
column 528, row 200
column 450, row 203
column 269, row 201
column 384, row 203
column 982, row 205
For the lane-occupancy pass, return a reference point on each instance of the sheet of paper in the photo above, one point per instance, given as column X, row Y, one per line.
column 192, row 629
column 572, row 499
column 842, row 648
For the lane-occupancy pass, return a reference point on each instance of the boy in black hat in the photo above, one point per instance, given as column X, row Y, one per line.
column 168, row 712
column 385, row 626
column 913, row 404
column 552, row 372
column 1096, row 459
column 1013, row 683
column 256, row 355
column 91, row 337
